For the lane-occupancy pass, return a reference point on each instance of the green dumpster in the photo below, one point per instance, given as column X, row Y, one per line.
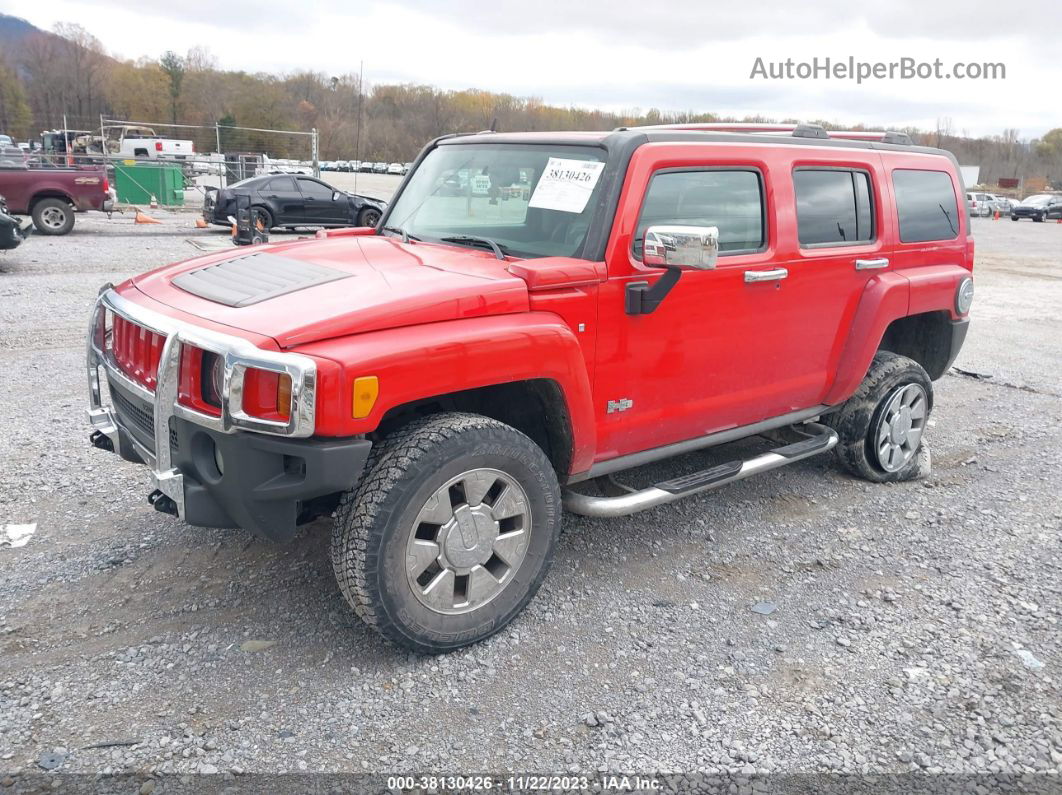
column 136, row 183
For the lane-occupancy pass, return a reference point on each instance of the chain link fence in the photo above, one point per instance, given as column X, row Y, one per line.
column 194, row 158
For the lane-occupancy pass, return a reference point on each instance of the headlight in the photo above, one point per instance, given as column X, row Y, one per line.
column 964, row 296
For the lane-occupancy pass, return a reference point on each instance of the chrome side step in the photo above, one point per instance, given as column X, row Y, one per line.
column 821, row 440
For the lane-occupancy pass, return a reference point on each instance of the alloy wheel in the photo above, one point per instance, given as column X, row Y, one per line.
column 899, row 428
column 468, row 541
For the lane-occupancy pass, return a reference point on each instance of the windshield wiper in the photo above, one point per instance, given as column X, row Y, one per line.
column 476, row 240
column 406, row 237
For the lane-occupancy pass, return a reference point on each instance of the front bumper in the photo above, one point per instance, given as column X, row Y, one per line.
column 212, row 471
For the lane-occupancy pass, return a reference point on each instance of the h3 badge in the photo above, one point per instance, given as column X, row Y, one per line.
column 619, row 405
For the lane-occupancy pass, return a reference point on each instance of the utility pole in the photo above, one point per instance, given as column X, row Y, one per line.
column 357, row 134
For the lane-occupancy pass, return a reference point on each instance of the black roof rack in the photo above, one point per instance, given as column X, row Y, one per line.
column 794, row 130
column 810, row 131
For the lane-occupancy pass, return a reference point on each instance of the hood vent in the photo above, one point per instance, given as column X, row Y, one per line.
column 246, row 280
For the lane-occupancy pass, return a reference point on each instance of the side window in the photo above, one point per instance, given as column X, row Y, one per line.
column 925, row 205
column 280, row 185
column 833, row 207
column 315, row 189
column 730, row 199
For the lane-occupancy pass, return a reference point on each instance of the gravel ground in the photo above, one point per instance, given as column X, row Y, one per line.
column 916, row 626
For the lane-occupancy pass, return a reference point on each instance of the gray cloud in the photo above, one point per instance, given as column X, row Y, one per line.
column 689, row 23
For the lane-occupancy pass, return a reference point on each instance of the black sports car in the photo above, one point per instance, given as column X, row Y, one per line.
column 12, row 231
column 1040, row 207
column 289, row 200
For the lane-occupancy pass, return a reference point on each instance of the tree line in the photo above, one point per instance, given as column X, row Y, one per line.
column 67, row 73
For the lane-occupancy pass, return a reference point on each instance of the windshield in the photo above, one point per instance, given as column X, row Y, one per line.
column 532, row 200
column 1037, row 200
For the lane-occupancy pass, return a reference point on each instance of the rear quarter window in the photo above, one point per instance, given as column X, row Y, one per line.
column 926, row 206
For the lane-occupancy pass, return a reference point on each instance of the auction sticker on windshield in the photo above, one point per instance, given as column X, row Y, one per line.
column 566, row 185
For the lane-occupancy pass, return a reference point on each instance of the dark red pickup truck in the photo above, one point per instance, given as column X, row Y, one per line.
column 51, row 196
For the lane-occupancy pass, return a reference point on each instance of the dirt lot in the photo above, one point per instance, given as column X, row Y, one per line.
column 917, row 625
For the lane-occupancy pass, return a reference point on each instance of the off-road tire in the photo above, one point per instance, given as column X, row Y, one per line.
column 857, row 417
column 371, row 527
column 45, row 210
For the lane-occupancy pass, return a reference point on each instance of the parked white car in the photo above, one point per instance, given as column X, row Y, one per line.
column 1000, row 203
column 980, row 204
column 395, row 168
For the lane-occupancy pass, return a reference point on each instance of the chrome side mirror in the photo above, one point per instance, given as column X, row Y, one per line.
column 681, row 246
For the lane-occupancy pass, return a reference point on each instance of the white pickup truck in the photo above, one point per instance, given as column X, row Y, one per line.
column 143, row 142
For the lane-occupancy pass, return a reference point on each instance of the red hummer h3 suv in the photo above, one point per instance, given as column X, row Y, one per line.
column 534, row 314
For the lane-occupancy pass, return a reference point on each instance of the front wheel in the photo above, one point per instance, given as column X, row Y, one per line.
column 882, row 425
column 370, row 216
column 450, row 532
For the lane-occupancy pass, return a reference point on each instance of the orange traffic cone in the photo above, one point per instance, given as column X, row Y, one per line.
column 201, row 224
column 144, row 219
column 995, row 215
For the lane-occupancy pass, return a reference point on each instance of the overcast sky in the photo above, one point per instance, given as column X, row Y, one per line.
column 623, row 54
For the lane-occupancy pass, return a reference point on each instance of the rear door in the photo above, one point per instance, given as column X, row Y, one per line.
column 284, row 199
column 841, row 240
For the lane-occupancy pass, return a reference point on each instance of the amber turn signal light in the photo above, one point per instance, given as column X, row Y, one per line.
column 366, row 390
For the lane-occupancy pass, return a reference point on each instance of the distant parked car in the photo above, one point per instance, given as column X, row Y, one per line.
column 980, row 205
column 365, row 165
column 286, row 200
column 5, row 140
column 406, row 167
column 1039, row 207
column 1001, row 203
column 11, row 156
column 379, row 168
column 395, row 168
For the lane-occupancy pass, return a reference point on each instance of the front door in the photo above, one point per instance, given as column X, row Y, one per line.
column 322, row 205
column 746, row 341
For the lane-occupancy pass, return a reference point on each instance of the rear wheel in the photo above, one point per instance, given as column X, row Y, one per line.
column 882, row 425
column 262, row 218
column 53, row 217
column 450, row 532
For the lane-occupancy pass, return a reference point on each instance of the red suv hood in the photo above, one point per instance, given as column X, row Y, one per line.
column 393, row 284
